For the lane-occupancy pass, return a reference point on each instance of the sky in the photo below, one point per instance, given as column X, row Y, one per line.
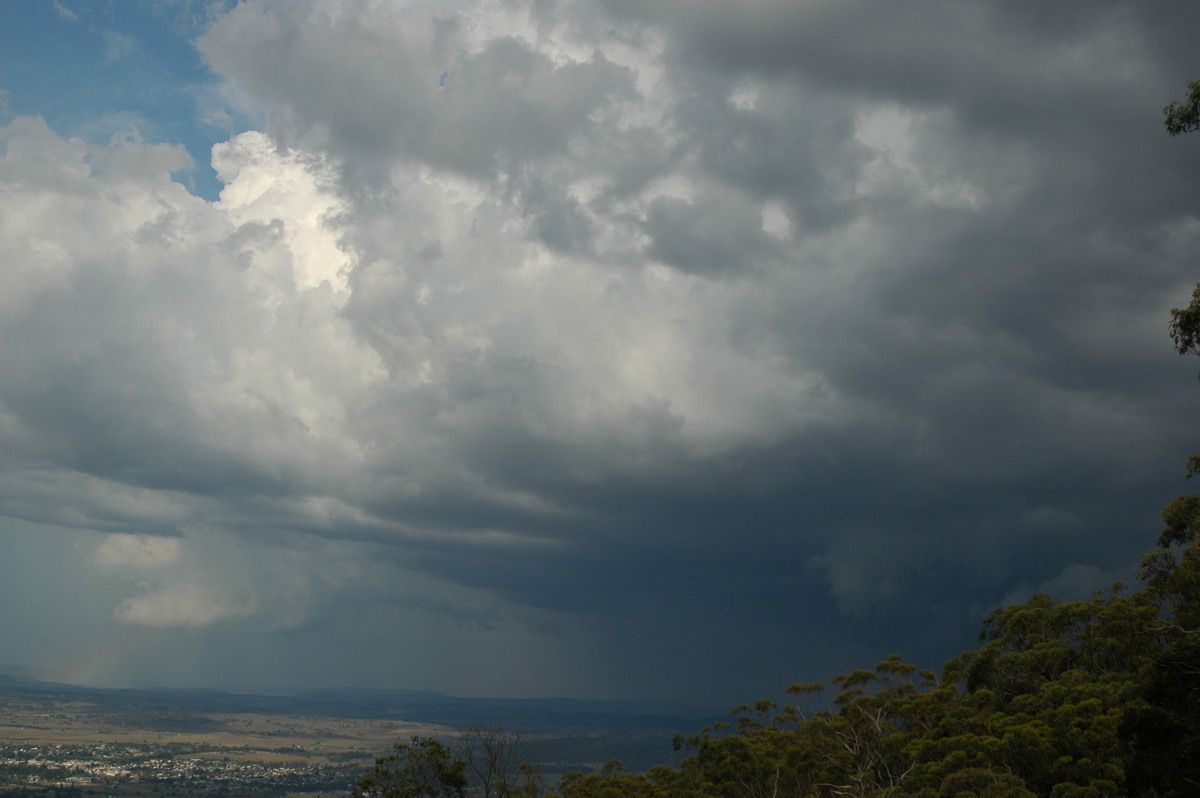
column 605, row 349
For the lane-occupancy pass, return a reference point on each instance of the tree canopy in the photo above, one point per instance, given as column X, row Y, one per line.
column 424, row 767
column 1184, row 117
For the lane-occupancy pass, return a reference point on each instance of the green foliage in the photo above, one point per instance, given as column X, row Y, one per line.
column 613, row 782
column 421, row 768
column 1163, row 730
column 983, row 783
column 1184, row 117
column 1182, row 518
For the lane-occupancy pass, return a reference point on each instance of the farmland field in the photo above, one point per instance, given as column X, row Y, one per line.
column 60, row 740
column 67, row 745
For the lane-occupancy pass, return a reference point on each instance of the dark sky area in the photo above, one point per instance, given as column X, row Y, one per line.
column 601, row 348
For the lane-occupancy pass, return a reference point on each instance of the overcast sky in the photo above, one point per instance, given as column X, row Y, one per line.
column 604, row 348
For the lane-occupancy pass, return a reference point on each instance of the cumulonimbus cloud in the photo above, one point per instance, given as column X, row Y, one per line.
column 590, row 311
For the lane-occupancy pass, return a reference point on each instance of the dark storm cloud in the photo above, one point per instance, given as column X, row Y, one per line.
column 718, row 236
column 618, row 335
